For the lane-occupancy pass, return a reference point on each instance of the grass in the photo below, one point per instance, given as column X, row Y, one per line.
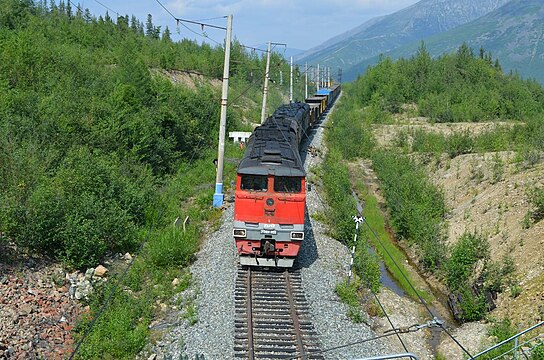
column 122, row 330
column 348, row 294
column 376, row 220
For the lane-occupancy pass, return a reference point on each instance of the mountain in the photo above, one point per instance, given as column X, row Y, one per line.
column 513, row 33
column 421, row 20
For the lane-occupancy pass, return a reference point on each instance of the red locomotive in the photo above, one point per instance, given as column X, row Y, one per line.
column 270, row 196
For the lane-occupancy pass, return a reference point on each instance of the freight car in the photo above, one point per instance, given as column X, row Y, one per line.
column 270, row 195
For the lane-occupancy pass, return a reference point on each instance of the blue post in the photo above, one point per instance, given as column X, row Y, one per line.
column 218, row 196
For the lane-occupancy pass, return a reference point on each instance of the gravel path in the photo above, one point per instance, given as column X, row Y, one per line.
column 324, row 263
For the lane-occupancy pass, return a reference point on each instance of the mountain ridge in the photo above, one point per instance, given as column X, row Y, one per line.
column 513, row 33
column 382, row 34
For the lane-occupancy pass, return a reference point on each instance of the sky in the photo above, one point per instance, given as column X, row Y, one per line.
column 301, row 24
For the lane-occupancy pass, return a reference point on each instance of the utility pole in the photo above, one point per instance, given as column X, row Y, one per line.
column 218, row 195
column 281, row 77
column 306, row 82
column 266, row 77
column 328, row 77
column 265, row 93
column 317, row 81
column 291, row 83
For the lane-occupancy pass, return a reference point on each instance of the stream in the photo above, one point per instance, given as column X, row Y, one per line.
column 386, row 279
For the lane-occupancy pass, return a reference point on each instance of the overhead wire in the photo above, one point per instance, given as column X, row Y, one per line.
column 415, row 291
column 152, row 227
column 108, row 8
column 381, row 305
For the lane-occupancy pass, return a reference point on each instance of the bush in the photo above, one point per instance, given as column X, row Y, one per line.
column 92, row 204
column 339, row 196
column 473, row 307
column 367, row 266
column 465, row 253
column 536, row 198
column 417, row 206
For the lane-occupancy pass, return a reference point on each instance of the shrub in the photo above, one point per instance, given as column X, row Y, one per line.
column 465, row 253
column 417, row 206
column 473, row 307
column 90, row 205
column 367, row 265
column 536, row 198
column 340, row 199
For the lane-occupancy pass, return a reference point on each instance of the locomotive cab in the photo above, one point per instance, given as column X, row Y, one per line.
column 269, row 218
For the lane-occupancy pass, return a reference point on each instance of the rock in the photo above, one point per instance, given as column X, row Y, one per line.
column 127, row 257
column 83, row 290
column 152, row 357
column 62, row 319
column 100, row 271
column 175, row 282
column 25, row 309
column 89, row 273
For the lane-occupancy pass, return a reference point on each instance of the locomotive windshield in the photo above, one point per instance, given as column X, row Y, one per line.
column 287, row 184
column 254, row 182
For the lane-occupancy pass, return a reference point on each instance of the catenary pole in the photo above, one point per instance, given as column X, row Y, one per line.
column 306, row 82
column 291, row 83
column 218, row 195
column 317, row 80
column 266, row 76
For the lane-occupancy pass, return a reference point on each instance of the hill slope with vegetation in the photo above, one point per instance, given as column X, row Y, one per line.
column 457, row 148
column 108, row 131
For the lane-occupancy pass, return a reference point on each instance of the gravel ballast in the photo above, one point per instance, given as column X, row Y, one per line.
column 324, row 263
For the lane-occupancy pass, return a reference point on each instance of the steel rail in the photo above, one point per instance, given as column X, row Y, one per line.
column 294, row 316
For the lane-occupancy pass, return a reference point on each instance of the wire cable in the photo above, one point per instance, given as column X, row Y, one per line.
column 110, row 9
column 414, row 289
column 153, row 225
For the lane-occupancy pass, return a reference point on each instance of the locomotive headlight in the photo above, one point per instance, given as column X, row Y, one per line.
column 297, row 235
column 239, row 233
column 269, row 201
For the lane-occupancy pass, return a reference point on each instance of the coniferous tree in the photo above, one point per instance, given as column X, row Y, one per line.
column 134, row 24
column 149, row 29
column 166, row 35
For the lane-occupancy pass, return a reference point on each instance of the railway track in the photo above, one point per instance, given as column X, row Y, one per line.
column 272, row 320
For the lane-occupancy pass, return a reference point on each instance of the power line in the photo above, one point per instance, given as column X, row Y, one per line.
column 156, row 220
column 414, row 289
column 110, row 9
column 189, row 21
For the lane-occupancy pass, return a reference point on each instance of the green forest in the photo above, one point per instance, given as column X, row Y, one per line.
column 463, row 86
column 103, row 145
column 92, row 128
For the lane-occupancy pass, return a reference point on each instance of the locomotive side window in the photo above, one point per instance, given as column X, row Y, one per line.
column 254, row 182
column 286, row 184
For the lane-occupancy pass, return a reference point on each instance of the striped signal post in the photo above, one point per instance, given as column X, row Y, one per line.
column 358, row 220
column 218, row 195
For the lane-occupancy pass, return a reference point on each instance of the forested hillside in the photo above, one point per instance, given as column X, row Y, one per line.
column 108, row 131
column 90, row 128
column 457, row 146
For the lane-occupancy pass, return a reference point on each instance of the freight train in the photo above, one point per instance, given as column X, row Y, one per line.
column 270, row 195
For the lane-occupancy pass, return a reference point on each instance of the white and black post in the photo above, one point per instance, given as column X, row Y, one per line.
column 358, row 220
column 266, row 77
column 291, row 83
column 306, row 82
column 218, row 195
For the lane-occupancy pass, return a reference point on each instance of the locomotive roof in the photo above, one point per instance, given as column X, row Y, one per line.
column 273, row 146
